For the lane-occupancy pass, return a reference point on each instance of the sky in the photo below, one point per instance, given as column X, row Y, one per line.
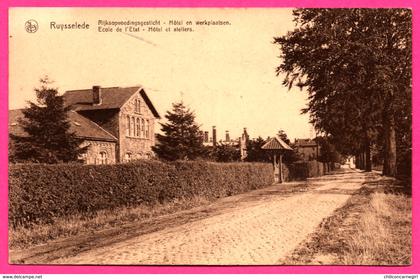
column 225, row 74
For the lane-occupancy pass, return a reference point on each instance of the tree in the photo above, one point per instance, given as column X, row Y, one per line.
column 254, row 151
column 182, row 138
column 48, row 138
column 289, row 157
column 225, row 153
column 283, row 136
column 356, row 65
column 328, row 153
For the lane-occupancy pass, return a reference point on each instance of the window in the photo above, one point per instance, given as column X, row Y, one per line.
column 137, row 106
column 128, row 126
column 132, row 127
column 147, row 128
column 128, row 157
column 142, row 128
column 103, row 158
column 82, row 157
column 137, row 127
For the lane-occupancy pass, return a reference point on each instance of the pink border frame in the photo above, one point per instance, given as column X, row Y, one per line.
column 5, row 268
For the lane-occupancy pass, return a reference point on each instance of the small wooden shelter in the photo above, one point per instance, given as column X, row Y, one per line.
column 277, row 147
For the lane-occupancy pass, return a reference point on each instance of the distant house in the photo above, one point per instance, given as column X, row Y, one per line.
column 240, row 143
column 117, row 124
column 307, row 149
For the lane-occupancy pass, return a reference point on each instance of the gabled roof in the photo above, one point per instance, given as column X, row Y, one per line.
column 81, row 126
column 304, row 142
column 112, row 98
column 276, row 143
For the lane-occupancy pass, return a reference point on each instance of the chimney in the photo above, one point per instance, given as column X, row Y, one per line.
column 96, row 94
column 245, row 135
column 206, row 136
column 214, row 136
column 227, row 136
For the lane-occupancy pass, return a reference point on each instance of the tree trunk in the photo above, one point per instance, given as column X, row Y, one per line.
column 357, row 162
column 362, row 161
column 368, row 159
column 390, row 146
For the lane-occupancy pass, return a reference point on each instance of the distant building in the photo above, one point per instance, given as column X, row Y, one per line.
column 308, row 149
column 240, row 143
column 117, row 124
column 212, row 141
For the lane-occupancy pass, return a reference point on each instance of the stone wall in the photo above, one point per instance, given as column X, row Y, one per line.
column 96, row 150
column 135, row 146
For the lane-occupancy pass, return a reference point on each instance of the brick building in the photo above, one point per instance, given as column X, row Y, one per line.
column 117, row 124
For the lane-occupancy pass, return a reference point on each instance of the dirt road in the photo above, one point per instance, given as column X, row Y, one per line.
column 255, row 231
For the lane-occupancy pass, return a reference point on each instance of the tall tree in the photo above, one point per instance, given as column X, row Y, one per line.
column 182, row 138
column 356, row 65
column 48, row 137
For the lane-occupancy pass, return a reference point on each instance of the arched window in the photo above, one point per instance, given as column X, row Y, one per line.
column 128, row 157
column 147, row 128
column 142, row 128
column 128, row 126
column 103, row 158
column 137, row 127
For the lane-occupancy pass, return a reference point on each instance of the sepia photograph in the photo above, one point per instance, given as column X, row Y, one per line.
column 210, row 136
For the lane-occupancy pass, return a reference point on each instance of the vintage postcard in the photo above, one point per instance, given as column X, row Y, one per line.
column 210, row 136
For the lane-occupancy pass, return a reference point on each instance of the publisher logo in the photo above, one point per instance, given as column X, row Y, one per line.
column 31, row 26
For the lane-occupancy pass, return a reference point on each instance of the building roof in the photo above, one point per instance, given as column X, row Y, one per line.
column 112, row 98
column 81, row 126
column 276, row 143
column 304, row 143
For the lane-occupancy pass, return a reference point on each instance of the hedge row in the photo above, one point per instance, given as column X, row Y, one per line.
column 38, row 193
column 302, row 170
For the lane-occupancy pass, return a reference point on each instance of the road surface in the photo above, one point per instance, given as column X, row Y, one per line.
column 263, row 228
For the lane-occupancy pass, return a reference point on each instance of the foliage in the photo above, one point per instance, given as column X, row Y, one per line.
column 225, row 153
column 328, row 152
column 254, row 151
column 182, row 138
column 39, row 193
column 283, row 136
column 356, row 65
column 290, row 156
column 48, row 138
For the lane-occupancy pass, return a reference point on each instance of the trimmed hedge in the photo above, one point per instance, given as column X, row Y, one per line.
column 39, row 193
column 302, row 170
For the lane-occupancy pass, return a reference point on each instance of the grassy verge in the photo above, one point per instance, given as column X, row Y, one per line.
column 373, row 228
column 22, row 237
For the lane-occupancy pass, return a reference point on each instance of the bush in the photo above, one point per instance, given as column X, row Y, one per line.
column 38, row 193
